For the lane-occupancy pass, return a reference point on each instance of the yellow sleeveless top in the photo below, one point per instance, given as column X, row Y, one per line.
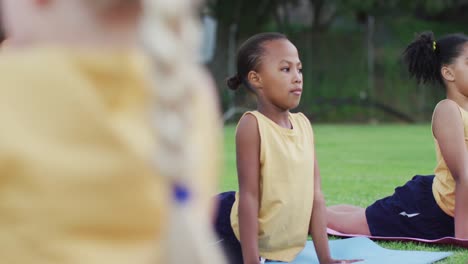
column 443, row 187
column 76, row 180
column 286, row 187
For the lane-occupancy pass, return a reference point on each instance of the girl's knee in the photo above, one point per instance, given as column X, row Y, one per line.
column 353, row 222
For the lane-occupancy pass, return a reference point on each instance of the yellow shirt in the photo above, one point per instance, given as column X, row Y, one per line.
column 76, row 180
column 443, row 187
column 286, row 187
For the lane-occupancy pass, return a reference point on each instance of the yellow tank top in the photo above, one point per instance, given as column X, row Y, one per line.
column 286, row 187
column 443, row 187
column 76, row 180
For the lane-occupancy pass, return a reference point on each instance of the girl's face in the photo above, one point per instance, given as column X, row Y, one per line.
column 460, row 71
column 280, row 74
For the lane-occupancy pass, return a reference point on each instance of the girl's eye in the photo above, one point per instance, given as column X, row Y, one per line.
column 285, row 69
column 300, row 70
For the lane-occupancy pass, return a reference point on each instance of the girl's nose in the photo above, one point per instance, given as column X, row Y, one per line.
column 297, row 78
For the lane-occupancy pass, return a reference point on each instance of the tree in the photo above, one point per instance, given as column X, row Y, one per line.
column 237, row 20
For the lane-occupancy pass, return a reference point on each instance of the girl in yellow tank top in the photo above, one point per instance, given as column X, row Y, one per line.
column 100, row 152
column 434, row 206
column 279, row 201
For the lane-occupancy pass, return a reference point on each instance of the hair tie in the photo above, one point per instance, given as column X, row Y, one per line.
column 434, row 45
column 181, row 193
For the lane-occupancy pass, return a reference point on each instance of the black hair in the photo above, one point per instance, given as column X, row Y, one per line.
column 425, row 56
column 249, row 56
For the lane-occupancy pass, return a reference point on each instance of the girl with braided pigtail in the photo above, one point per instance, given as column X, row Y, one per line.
column 101, row 154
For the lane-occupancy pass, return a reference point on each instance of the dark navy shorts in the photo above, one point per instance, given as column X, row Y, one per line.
column 223, row 228
column 410, row 212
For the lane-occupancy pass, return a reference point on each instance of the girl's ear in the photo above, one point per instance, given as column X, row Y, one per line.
column 447, row 73
column 254, row 79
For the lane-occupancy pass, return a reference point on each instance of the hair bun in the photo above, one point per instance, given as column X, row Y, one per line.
column 234, row 82
column 425, row 40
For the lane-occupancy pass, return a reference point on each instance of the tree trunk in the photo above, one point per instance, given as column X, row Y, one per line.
column 219, row 65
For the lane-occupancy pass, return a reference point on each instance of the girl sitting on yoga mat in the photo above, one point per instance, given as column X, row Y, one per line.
column 103, row 143
column 279, row 201
column 428, row 207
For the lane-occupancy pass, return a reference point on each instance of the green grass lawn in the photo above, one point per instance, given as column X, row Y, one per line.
column 362, row 163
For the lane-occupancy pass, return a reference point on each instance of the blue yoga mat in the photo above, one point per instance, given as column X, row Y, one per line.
column 370, row 252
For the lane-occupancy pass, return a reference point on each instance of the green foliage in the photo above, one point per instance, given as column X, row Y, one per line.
column 430, row 7
column 336, row 66
column 335, row 52
column 249, row 16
